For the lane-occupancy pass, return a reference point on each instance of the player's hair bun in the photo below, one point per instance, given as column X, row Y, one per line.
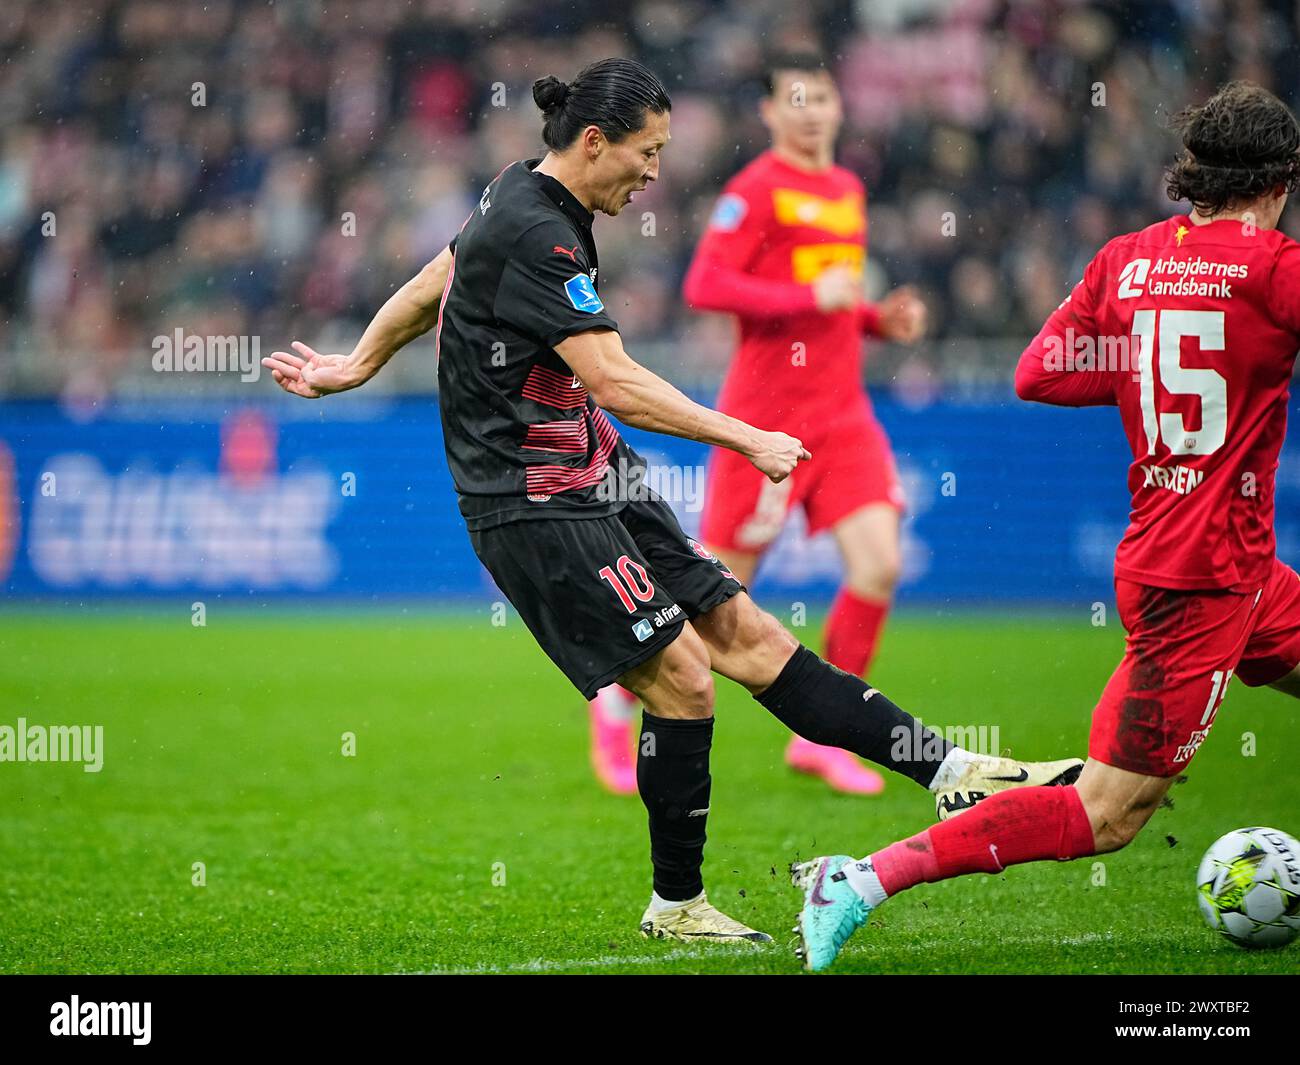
column 549, row 93
column 614, row 95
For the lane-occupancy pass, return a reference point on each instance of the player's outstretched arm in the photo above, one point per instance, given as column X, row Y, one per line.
column 712, row 284
column 1043, row 375
column 410, row 312
column 1050, row 371
column 642, row 399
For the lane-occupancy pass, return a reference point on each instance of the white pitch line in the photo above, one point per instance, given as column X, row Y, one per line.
column 614, row 961
column 604, row 961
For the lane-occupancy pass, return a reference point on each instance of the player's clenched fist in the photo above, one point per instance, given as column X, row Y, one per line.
column 902, row 316
column 777, row 454
column 309, row 373
column 837, row 289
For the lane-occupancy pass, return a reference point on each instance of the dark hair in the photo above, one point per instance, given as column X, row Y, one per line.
column 614, row 94
column 1242, row 142
column 800, row 62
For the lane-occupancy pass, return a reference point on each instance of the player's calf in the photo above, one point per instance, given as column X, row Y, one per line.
column 672, row 773
column 822, row 703
column 1118, row 803
column 746, row 644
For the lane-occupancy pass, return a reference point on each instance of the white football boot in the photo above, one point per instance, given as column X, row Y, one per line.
column 697, row 919
column 989, row 776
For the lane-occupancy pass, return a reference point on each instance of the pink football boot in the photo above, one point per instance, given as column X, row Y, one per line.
column 840, row 769
column 613, row 739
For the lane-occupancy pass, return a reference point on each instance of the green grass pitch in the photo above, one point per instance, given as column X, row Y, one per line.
column 467, row 834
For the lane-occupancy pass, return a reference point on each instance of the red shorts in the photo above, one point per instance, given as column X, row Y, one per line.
column 1183, row 650
column 851, row 467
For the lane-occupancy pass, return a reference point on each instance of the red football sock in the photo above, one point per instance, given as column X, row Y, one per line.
column 1010, row 828
column 852, row 630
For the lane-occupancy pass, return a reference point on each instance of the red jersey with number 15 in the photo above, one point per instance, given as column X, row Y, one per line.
column 1192, row 331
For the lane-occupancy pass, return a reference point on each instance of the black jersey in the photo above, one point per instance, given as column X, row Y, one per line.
column 523, row 438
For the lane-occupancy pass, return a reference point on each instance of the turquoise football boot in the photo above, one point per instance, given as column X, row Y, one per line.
column 832, row 910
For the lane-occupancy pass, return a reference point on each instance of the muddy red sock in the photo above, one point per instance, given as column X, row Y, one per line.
column 1010, row 828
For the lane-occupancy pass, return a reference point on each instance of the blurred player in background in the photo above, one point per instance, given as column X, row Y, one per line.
column 1207, row 308
column 784, row 253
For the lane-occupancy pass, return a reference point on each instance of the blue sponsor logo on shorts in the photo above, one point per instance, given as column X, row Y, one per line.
column 643, row 630
column 582, row 294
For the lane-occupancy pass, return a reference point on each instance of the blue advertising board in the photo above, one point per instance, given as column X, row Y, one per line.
column 351, row 499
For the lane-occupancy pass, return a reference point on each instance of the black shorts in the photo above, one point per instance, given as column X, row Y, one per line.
column 602, row 595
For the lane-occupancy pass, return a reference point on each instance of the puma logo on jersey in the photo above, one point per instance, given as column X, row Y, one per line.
column 571, row 253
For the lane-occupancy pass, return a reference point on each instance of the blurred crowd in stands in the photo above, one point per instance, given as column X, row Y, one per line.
column 277, row 169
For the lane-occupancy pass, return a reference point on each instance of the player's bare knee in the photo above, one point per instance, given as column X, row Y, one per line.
column 693, row 689
column 891, row 571
column 876, row 577
column 678, row 681
column 756, row 631
column 873, row 558
column 680, row 693
column 771, row 638
column 689, row 675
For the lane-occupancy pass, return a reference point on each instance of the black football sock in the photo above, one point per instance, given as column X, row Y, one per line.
column 819, row 702
column 672, row 775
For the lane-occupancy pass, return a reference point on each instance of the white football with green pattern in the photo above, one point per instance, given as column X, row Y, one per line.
column 1248, row 887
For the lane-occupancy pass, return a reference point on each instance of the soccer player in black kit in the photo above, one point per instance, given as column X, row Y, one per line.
column 556, row 503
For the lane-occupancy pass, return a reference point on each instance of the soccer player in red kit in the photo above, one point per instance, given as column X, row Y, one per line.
column 784, row 253
column 1190, row 327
